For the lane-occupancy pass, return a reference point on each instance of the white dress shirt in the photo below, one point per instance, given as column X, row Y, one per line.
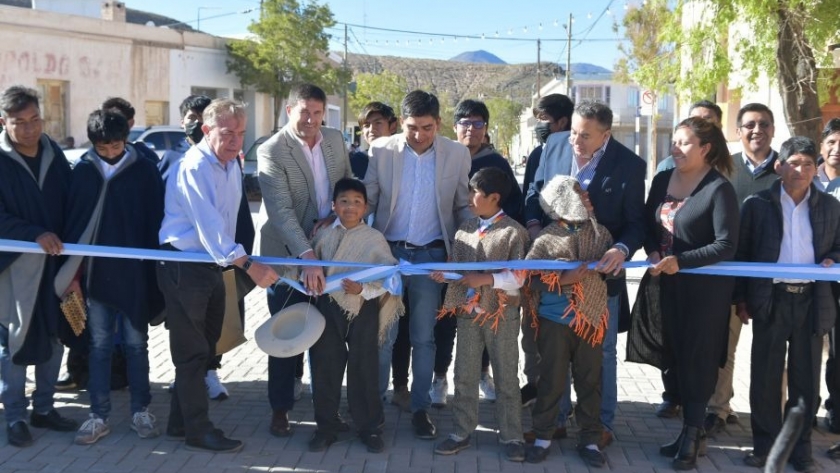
column 315, row 158
column 202, row 205
column 415, row 217
column 797, row 237
column 108, row 170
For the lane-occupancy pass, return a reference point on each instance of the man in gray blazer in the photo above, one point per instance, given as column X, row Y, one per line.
column 298, row 168
column 417, row 188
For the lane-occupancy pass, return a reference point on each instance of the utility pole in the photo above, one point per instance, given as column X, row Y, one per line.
column 569, row 58
column 344, row 109
column 539, row 74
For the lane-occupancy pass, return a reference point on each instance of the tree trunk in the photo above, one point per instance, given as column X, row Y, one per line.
column 797, row 75
column 278, row 109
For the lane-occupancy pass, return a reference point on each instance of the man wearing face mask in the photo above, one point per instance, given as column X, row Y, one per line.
column 554, row 114
column 192, row 109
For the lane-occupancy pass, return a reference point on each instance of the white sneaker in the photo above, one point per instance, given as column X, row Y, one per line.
column 143, row 423
column 215, row 389
column 298, row 389
column 487, row 386
column 438, row 392
column 92, row 430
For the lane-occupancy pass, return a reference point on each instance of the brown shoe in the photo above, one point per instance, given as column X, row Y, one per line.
column 280, row 423
column 606, row 440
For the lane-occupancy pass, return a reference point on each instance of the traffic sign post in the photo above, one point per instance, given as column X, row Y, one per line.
column 648, row 99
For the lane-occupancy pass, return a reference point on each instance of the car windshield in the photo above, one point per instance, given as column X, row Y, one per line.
column 134, row 134
column 251, row 155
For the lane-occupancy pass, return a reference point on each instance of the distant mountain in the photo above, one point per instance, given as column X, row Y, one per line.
column 481, row 56
column 454, row 81
column 584, row 68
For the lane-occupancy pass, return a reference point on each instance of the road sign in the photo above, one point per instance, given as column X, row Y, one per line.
column 648, row 99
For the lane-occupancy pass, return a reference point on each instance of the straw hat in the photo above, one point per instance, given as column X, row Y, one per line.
column 291, row 331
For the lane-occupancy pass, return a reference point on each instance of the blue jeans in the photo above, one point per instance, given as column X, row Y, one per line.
column 102, row 323
column 609, row 367
column 14, row 381
column 424, row 300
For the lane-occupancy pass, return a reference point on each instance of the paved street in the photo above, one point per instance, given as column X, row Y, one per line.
column 246, row 416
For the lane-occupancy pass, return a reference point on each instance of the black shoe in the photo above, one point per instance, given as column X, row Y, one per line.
column 18, row 434
column 529, row 394
column 450, row 446
column 754, row 460
column 66, row 383
column 806, row 465
column 834, row 452
column 732, row 419
column 713, row 425
column 832, row 422
column 670, row 450
column 214, row 441
column 536, row 454
column 320, row 441
column 423, row 426
column 668, row 410
column 593, row 458
column 52, row 420
column 693, row 442
column 515, row 452
column 373, row 442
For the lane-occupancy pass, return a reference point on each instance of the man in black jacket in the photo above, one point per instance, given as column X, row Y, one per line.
column 792, row 222
column 34, row 181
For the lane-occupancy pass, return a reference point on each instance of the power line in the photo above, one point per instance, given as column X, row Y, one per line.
column 483, row 36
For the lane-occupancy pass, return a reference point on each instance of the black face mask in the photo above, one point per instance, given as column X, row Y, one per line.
column 542, row 129
column 194, row 131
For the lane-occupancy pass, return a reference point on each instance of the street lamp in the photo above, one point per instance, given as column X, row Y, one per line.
column 198, row 16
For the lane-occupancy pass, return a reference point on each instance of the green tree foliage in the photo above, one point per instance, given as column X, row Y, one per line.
column 386, row 87
column 647, row 58
column 289, row 47
column 504, row 122
column 743, row 39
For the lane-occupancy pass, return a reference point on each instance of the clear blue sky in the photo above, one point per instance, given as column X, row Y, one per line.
column 509, row 19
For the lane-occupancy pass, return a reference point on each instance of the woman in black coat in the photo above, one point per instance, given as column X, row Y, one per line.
column 692, row 220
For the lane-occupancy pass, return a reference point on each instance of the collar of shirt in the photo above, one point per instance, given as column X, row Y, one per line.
column 305, row 145
column 786, row 198
column 596, row 156
column 484, row 222
column 337, row 223
column 409, row 149
column 756, row 169
column 110, row 169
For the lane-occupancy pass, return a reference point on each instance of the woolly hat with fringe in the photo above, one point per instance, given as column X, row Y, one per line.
column 560, row 201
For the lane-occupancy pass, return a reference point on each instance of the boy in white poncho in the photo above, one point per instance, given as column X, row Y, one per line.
column 357, row 317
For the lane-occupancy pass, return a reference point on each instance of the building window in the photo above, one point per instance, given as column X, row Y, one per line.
column 598, row 93
column 633, row 98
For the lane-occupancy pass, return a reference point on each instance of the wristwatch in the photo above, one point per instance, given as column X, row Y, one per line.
column 247, row 265
column 623, row 249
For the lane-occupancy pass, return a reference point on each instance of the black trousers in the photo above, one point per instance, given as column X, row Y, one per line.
column 401, row 353
column 790, row 331
column 195, row 309
column 670, row 382
column 283, row 371
column 832, row 364
column 558, row 347
column 354, row 346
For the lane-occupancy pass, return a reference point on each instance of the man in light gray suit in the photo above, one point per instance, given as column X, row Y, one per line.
column 298, row 168
column 417, row 188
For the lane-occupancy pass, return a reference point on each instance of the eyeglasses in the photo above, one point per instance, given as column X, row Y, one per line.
column 478, row 124
column 752, row 125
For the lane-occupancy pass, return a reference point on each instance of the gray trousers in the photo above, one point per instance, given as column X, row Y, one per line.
column 503, row 347
column 531, row 367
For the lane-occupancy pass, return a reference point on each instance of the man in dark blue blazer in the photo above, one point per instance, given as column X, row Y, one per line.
column 614, row 177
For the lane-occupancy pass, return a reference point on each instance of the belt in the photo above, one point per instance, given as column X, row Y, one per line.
column 798, row 288
column 412, row 246
column 170, row 247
